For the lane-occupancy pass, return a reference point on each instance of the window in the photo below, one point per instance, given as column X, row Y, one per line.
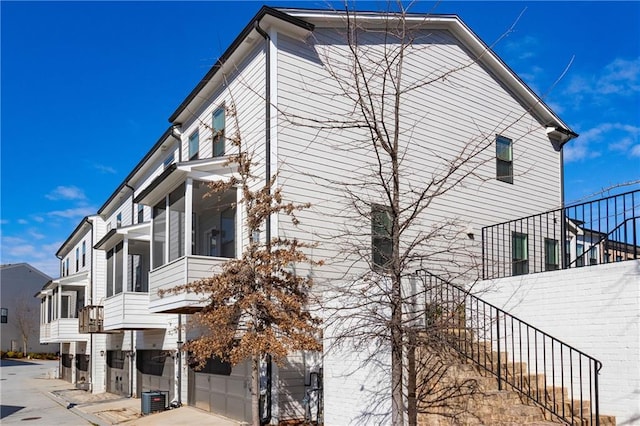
column 66, row 267
column 228, row 233
column 520, row 259
column 77, row 259
column 84, row 254
column 110, row 273
column 593, row 255
column 218, row 132
column 159, row 233
column 168, row 161
column 4, row 315
column 118, row 220
column 504, row 159
column 114, row 270
column 140, row 213
column 381, row 244
column 194, row 146
column 580, row 255
column 176, row 223
column 550, row 254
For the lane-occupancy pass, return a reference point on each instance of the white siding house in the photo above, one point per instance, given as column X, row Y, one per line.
column 278, row 85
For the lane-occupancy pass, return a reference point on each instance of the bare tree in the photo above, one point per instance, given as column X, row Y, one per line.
column 387, row 219
column 257, row 305
column 26, row 320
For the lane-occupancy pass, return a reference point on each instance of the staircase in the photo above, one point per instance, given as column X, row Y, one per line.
column 476, row 364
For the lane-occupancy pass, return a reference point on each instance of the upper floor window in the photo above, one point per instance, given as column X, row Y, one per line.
column 381, row 244
column 66, row 267
column 77, row 259
column 504, row 159
column 217, row 130
column 84, row 253
column 140, row 213
column 519, row 252
column 119, row 220
column 4, row 315
column 194, row 146
column 168, row 161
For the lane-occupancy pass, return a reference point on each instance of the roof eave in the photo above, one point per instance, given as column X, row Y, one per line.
column 263, row 12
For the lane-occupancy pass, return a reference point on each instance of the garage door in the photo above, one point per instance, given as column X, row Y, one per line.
column 222, row 389
column 156, row 371
column 117, row 373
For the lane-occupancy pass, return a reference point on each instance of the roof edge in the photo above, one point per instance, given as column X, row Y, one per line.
column 264, row 10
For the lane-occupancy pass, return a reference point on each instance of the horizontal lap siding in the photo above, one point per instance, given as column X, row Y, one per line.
column 245, row 87
column 442, row 118
column 437, row 122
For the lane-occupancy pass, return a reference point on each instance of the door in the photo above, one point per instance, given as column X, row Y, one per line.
column 222, row 389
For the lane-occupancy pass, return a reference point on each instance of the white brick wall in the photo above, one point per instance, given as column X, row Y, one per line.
column 596, row 309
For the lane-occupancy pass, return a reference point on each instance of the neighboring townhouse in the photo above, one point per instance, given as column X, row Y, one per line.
column 62, row 300
column 19, row 310
column 159, row 229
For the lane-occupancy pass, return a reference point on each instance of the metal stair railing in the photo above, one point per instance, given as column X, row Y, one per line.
column 558, row 377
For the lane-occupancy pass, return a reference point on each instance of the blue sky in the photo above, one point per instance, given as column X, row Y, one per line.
column 83, row 83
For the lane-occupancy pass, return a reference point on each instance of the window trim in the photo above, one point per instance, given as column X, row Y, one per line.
column 502, row 163
column 84, row 254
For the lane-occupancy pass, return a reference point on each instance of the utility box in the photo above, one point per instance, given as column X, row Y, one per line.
column 153, row 401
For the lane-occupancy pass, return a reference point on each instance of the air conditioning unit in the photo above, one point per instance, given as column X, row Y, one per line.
column 153, row 401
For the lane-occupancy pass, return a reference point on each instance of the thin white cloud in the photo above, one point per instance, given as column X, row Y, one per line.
column 33, row 233
column 620, row 77
column 635, row 151
column 523, row 48
column 76, row 212
column 38, row 219
column 4, row 222
column 66, row 193
column 614, row 137
column 105, row 169
column 22, row 221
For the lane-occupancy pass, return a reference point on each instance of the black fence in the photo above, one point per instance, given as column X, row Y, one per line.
column 596, row 232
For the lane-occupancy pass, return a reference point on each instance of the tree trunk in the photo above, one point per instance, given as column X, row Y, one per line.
column 397, row 404
column 255, row 390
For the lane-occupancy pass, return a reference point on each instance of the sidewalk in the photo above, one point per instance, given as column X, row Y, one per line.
column 107, row 409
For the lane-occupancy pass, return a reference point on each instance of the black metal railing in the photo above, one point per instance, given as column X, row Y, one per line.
column 601, row 231
column 558, row 377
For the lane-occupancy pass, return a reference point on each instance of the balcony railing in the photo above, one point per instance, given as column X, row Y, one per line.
column 601, row 231
column 91, row 319
column 181, row 271
column 130, row 311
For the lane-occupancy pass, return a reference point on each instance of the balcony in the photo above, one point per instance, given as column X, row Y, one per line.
column 61, row 330
column 592, row 233
column 183, row 270
column 130, row 311
column 91, row 319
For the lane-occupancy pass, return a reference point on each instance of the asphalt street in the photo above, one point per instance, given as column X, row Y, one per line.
column 25, row 395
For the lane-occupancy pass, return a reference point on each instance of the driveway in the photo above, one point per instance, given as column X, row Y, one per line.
column 25, row 395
